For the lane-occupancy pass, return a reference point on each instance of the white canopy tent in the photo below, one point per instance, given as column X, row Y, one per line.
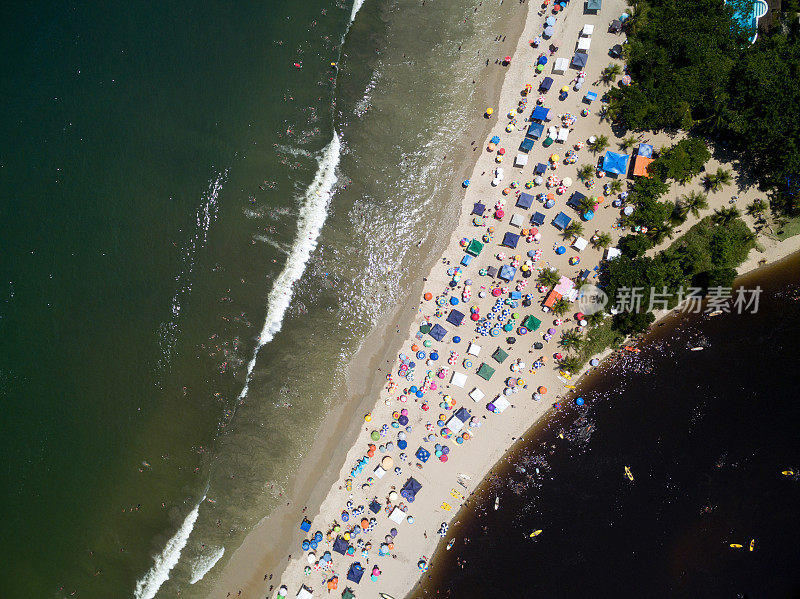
column 458, row 379
column 583, row 44
column 563, row 133
column 587, row 30
column 580, row 244
column 476, row 395
column 560, row 66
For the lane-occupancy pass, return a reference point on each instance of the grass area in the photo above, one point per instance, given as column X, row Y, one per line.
column 790, row 229
column 598, row 339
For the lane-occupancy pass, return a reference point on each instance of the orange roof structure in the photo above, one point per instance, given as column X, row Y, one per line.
column 552, row 298
column 640, row 164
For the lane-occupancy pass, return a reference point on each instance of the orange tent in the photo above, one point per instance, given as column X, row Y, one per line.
column 552, row 298
column 640, row 164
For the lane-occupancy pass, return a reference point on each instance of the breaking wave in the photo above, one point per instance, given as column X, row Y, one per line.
column 204, row 563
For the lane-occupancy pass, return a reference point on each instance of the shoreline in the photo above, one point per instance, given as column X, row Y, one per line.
column 343, row 443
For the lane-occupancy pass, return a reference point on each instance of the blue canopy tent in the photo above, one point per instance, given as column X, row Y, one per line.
column 478, row 208
column 305, row 525
column 340, row 545
column 540, row 169
column 579, row 60
column 575, row 199
column 511, row 240
column 537, row 219
column 438, row 332
column 410, row 489
column 645, row 150
column 455, row 317
column 527, row 144
column 546, row 83
column 590, row 97
column 422, row 454
column 540, row 113
column 355, row 573
column 614, row 162
column 463, row 415
column 562, row 221
column 525, row 200
column 594, row 5
column 535, row 130
column 507, row 273
column 375, row 506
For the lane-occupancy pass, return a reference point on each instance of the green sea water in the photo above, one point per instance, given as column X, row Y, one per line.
column 176, row 193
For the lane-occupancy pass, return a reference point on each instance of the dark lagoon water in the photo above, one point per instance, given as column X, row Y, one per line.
column 706, row 435
column 201, row 221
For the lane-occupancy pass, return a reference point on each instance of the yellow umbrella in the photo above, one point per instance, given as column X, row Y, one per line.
column 554, row 157
column 489, row 111
column 565, row 88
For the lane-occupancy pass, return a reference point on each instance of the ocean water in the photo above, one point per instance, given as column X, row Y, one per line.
column 202, row 220
column 706, row 435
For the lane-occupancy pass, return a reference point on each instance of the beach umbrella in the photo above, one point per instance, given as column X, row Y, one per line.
column 465, row 183
column 594, row 362
column 566, row 181
column 538, row 345
column 550, row 21
column 588, row 215
column 628, row 210
column 539, row 68
column 548, row 31
column 542, row 60
column 626, row 80
column 561, row 250
column 501, row 151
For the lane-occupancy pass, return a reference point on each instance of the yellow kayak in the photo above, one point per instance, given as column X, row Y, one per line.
column 736, row 546
column 628, row 473
column 752, row 544
column 535, row 533
column 788, row 473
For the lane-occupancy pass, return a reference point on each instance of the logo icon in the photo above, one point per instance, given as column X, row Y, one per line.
column 591, row 299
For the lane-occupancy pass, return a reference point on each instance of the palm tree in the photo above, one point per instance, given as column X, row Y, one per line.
column 615, row 186
column 548, row 277
column 586, row 204
column 718, row 180
column 574, row 229
column 595, row 318
column 571, row 340
column 757, row 208
column 693, row 203
column 570, row 364
column 611, row 72
column 599, row 144
column 718, row 119
column 723, row 216
column 659, row 233
column 561, row 307
column 602, row 240
column 586, row 172
column 627, row 143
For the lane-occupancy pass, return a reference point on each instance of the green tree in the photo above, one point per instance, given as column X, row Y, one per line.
column 681, row 161
column 634, row 246
column 586, row 204
column 628, row 143
column 548, row 277
column 610, row 73
column 574, row 229
column 586, row 172
column 595, row 319
column 599, row 144
column 719, row 179
column 692, row 203
column 630, row 323
column 561, row 307
column 602, row 240
column 615, row 186
column 571, row 364
column 723, row 216
column 571, row 340
column 756, row 208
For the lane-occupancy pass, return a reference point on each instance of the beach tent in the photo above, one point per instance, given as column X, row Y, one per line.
column 587, row 30
column 410, row 489
column 499, row 355
column 304, row 593
column 612, row 253
column 422, row 454
column 563, row 133
column 640, row 164
column 474, row 248
column 499, row 405
column 455, row 317
column 510, row 240
column 615, row 27
column 491, row 271
column 507, row 273
column 537, row 219
column 375, row 506
column 516, row 220
column 520, row 160
column 485, row 371
column 540, row 113
column 561, row 221
column 584, row 44
column 579, row 60
column 478, row 208
column 476, row 395
column 456, row 422
column 525, row 200
column 355, row 572
column 340, row 545
column 645, row 150
column 579, row 244
column 378, row 471
column 590, row 97
column 575, row 199
column 614, row 162
column 527, row 144
column 594, row 5
column 616, row 51
column 560, row 66
column 531, row 323
column 473, row 349
column 466, row 259
column 458, row 379
column 397, row 515
column 540, row 169
column 438, row 332
column 305, row 525
column 535, row 130
column 348, row 594
column 545, row 84
column 564, row 286
column 551, row 299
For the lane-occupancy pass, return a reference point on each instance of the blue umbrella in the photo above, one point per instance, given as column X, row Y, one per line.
column 453, row 301
column 561, row 250
column 588, row 215
column 495, row 139
column 434, row 356
column 550, row 21
column 548, row 32
column 456, row 339
column 543, row 60
column 465, row 183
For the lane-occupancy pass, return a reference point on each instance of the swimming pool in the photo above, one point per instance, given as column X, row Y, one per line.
column 747, row 13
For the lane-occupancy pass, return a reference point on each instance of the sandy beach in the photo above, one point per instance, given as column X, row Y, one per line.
column 402, row 419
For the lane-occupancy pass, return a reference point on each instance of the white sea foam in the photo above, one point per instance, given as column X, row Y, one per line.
column 158, row 574
column 313, row 212
column 357, row 4
column 204, row 563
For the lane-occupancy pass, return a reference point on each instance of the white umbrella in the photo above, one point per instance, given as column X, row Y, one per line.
column 566, row 181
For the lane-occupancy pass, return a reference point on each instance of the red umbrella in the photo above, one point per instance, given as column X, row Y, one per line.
column 507, row 59
column 579, row 316
column 501, row 151
column 499, row 213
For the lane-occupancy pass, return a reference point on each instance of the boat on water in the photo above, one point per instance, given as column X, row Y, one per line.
column 450, row 544
column 788, row 472
column 628, row 473
column 385, row 596
column 715, row 313
column 497, row 503
column 535, row 533
column 697, row 348
column 752, row 544
column 736, row 546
